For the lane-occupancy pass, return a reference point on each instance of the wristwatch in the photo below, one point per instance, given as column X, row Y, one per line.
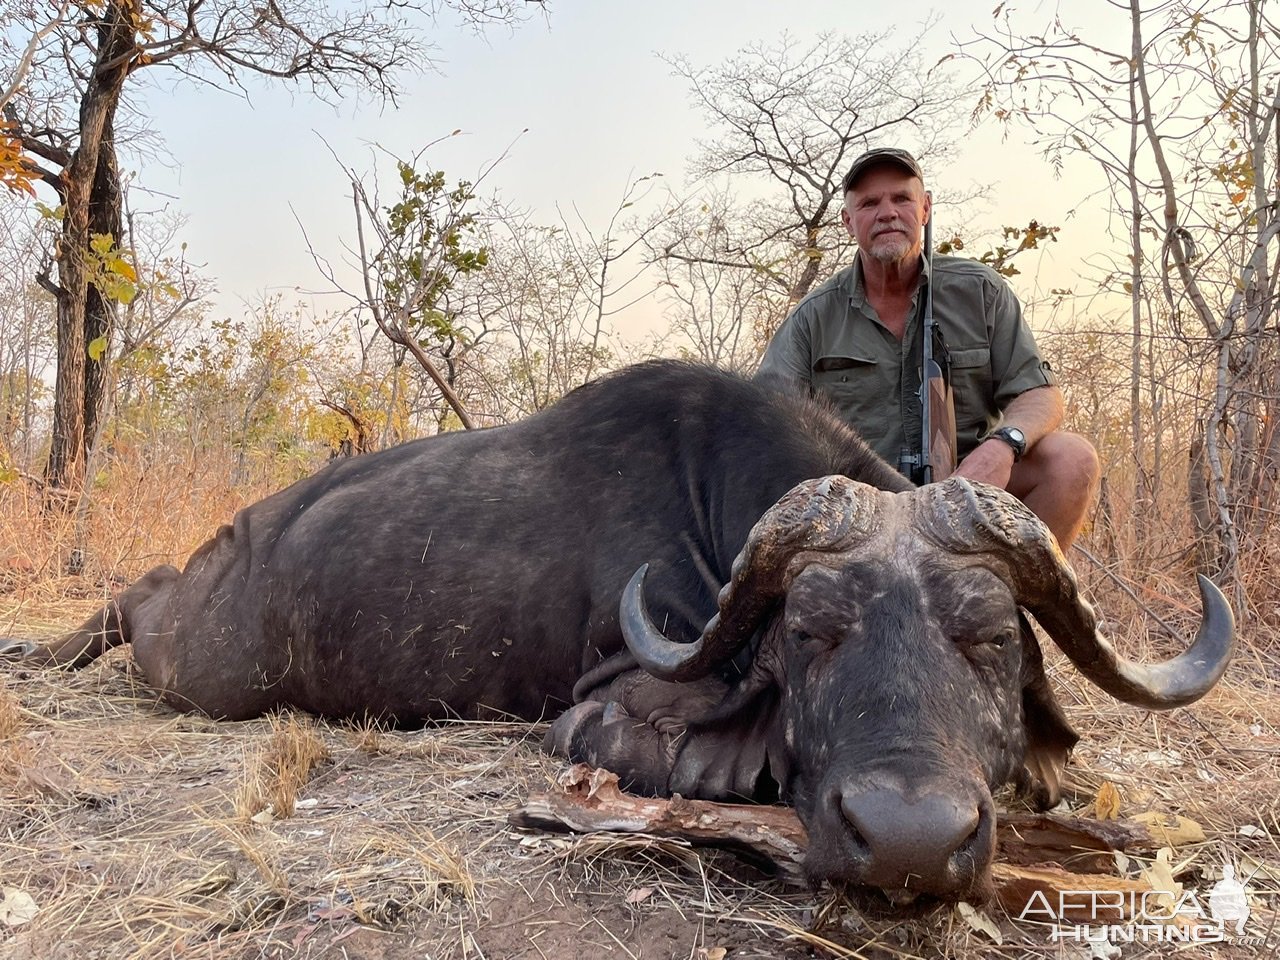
column 1014, row 438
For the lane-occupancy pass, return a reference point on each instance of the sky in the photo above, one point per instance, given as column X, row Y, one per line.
column 587, row 84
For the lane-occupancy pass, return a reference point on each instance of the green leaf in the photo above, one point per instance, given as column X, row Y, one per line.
column 125, row 292
column 58, row 213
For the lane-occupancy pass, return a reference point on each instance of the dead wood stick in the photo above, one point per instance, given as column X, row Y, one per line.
column 590, row 800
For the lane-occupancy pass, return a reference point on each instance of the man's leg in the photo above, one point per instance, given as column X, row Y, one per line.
column 1058, row 479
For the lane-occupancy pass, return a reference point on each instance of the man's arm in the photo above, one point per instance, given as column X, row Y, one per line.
column 787, row 365
column 1037, row 413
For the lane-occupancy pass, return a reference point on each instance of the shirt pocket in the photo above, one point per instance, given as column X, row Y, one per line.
column 838, row 376
column 973, row 388
column 852, row 385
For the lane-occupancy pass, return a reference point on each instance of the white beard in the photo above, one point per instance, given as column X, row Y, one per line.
column 890, row 249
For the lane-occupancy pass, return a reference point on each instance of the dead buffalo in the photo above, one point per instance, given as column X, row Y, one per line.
column 799, row 622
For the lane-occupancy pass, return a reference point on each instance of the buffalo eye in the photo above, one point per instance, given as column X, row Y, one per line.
column 815, row 634
column 810, row 641
column 814, row 623
column 986, row 636
column 1003, row 638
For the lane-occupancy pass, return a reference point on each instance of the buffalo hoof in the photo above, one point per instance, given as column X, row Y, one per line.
column 17, row 649
column 568, row 726
column 605, row 735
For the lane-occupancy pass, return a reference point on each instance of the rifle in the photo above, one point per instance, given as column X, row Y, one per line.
column 937, row 459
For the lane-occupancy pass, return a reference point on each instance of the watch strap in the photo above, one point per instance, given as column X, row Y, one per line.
column 1005, row 434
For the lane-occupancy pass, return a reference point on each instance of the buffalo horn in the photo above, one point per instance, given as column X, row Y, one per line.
column 817, row 516
column 1045, row 584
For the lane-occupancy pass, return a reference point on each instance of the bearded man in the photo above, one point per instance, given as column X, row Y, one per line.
column 856, row 340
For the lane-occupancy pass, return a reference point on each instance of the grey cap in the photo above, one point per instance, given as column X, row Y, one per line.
column 877, row 156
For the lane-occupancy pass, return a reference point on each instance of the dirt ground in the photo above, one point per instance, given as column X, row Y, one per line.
column 127, row 830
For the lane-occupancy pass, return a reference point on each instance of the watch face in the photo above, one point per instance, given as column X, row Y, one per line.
column 1014, row 438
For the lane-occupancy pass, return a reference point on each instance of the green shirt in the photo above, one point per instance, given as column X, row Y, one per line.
column 833, row 344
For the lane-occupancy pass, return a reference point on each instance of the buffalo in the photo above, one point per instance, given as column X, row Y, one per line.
column 718, row 590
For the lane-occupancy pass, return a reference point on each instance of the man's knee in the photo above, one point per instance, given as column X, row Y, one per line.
column 1073, row 460
column 1065, row 462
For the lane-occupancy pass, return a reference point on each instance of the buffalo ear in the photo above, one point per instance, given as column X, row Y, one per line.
column 1050, row 736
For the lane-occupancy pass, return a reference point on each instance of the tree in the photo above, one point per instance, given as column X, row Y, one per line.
column 787, row 121
column 550, row 295
column 243, row 388
column 65, row 119
column 411, row 254
column 1180, row 126
column 719, row 314
column 15, row 173
column 26, row 344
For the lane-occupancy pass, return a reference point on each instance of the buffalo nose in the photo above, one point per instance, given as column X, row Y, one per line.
column 928, row 843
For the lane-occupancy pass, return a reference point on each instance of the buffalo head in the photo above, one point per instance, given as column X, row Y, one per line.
column 905, row 684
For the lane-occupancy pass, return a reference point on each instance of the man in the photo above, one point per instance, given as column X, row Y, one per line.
column 856, row 341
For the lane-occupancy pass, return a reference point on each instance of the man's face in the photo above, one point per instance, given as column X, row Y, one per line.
column 885, row 211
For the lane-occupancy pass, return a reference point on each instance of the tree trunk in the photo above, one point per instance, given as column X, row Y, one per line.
column 116, row 47
column 813, row 260
column 1268, row 479
column 1205, row 533
column 66, row 453
column 105, row 217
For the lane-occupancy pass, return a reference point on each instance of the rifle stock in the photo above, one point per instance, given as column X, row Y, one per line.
column 941, row 419
column 937, row 404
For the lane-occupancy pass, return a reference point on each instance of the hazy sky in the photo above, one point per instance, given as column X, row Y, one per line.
column 599, row 105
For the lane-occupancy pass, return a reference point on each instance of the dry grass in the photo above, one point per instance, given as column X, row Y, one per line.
column 133, row 828
column 125, row 823
column 12, row 717
column 280, row 768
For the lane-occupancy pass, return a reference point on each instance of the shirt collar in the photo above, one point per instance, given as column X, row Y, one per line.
column 858, row 292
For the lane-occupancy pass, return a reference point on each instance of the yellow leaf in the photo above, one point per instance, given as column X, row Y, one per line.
column 1106, row 805
column 122, row 268
column 1170, row 828
column 97, row 347
column 977, row 920
column 1160, row 876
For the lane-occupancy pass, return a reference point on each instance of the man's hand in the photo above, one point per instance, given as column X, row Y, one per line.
column 989, row 462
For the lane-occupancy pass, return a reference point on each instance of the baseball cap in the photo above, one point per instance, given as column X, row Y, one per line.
column 879, row 155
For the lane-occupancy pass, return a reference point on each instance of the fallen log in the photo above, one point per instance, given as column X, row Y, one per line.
column 1081, row 843
column 1066, row 893
column 1034, row 850
column 589, row 800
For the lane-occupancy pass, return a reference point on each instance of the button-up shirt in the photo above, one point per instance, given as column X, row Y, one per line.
column 834, row 344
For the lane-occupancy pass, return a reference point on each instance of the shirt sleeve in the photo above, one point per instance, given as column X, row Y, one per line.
column 1016, row 364
column 787, row 364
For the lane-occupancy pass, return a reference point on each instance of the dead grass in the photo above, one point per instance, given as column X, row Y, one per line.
column 280, row 768
column 12, row 716
column 126, row 823
column 138, row 832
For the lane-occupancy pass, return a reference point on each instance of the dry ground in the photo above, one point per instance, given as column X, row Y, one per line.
column 138, row 832
column 133, row 831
